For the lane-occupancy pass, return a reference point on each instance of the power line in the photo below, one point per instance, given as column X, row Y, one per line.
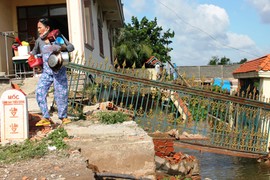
column 212, row 37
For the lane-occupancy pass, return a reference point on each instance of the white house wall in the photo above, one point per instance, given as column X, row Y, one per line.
column 75, row 10
column 75, row 20
column 264, row 86
column 96, row 52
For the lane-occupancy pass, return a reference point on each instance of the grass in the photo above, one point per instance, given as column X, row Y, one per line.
column 112, row 117
column 33, row 149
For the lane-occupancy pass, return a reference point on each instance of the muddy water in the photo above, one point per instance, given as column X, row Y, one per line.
column 222, row 167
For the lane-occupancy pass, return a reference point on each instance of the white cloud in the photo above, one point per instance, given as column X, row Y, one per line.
column 263, row 8
column 211, row 19
column 239, row 41
column 201, row 31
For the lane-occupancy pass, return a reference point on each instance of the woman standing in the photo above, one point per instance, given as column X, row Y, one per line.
column 44, row 47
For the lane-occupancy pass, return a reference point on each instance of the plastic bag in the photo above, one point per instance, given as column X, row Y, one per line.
column 34, row 61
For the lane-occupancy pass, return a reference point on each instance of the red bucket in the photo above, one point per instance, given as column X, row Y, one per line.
column 34, row 61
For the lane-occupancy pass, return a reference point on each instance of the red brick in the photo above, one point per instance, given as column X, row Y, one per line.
column 158, row 143
column 168, row 151
column 159, row 154
column 158, row 148
column 170, row 144
column 176, row 156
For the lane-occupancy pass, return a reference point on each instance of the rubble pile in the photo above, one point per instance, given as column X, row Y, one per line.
column 173, row 163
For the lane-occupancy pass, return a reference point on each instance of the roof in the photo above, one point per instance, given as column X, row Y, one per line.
column 256, row 65
column 153, row 61
column 112, row 12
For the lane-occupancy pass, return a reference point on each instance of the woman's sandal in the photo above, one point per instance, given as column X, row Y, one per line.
column 66, row 121
column 43, row 122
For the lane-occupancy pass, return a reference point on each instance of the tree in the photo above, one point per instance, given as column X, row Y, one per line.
column 140, row 40
column 224, row 61
column 213, row 61
column 216, row 61
column 242, row 61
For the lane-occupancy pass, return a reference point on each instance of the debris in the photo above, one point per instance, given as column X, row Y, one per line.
column 52, row 148
column 174, row 133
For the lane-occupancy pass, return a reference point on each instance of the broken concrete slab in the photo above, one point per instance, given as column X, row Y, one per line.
column 120, row 148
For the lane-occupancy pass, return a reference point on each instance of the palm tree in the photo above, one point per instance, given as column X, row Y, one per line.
column 127, row 49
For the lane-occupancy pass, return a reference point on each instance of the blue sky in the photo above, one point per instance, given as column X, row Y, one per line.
column 236, row 29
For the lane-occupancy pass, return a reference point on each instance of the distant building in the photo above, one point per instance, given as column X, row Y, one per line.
column 153, row 61
column 254, row 76
column 209, row 72
column 157, row 64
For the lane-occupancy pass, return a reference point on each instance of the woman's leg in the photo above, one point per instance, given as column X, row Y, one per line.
column 61, row 93
column 43, row 86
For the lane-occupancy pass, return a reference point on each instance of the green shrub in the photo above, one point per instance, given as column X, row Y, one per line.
column 112, row 117
column 56, row 138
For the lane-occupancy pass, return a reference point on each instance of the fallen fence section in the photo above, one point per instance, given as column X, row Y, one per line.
column 222, row 121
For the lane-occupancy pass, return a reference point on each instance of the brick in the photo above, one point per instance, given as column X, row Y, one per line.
column 159, row 143
column 170, row 144
column 157, row 148
column 168, row 151
column 177, row 156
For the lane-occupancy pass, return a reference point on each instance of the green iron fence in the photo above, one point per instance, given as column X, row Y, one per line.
column 220, row 120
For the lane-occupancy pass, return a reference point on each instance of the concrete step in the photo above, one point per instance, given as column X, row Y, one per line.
column 4, row 80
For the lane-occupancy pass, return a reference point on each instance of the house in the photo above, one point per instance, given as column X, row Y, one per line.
column 254, row 77
column 158, row 67
column 153, row 61
column 88, row 24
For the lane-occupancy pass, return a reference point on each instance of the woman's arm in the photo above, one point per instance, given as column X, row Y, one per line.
column 67, row 46
column 35, row 50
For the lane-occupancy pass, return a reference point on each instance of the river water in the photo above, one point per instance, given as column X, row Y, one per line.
column 223, row 167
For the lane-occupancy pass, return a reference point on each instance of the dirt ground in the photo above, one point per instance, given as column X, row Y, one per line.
column 66, row 165
column 57, row 167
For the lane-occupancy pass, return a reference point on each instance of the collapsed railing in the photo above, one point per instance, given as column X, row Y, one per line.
column 219, row 120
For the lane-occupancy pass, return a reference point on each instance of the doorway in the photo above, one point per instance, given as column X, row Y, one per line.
column 28, row 16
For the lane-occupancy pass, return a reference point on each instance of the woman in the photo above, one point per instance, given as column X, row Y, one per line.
column 44, row 47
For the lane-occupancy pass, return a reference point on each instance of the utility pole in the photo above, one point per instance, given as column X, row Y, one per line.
column 183, row 79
